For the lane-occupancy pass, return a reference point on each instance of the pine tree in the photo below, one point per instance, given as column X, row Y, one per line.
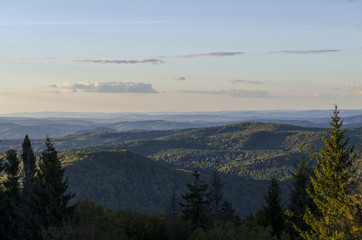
column 331, row 188
column 51, row 193
column 195, row 208
column 273, row 211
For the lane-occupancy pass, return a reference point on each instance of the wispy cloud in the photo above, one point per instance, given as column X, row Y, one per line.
column 211, row 54
column 105, row 87
column 307, row 51
column 80, row 23
column 246, row 81
column 238, row 93
column 121, row 61
column 355, row 89
column 178, row 78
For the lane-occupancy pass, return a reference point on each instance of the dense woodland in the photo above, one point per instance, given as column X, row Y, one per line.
column 241, row 181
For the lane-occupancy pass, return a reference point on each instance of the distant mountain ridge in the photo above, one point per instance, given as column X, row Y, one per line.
column 39, row 125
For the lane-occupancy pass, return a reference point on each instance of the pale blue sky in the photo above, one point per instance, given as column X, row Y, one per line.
column 184, row 55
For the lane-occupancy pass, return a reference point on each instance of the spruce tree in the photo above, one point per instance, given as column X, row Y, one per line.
column 51, row 193
column 299, row 200
column 331, row 188
column 29, row 164
column 219, row 208
column 25, row 207
column 215, row 196
column 273, row 211
column 195, row 208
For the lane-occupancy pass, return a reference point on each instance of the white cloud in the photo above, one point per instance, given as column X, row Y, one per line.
column 211, row 54
column 105, row 87
column 238, row 93
column 133, row 61
column 307, row 51
column 179, row 78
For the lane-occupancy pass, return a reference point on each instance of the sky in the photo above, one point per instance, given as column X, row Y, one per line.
column 179, row 55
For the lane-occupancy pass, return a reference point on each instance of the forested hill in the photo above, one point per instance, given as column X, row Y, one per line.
column 122, row 179
column 253, row 150
column 247, row 155
column 125, row 180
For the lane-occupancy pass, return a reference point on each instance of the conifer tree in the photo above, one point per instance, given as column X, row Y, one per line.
column 215, row 196
column 219, row 208
column 299, row 200
column 331, row 188
column 11, row 192
column 195, row 208
column 51, row 193
column 25, row 207
column 29, row 165
column 273, row 211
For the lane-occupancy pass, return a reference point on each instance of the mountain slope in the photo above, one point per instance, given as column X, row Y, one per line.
column 125, row 180
column 254, row 150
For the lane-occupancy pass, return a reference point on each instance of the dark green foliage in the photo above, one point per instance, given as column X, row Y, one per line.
column 29, row 166
column 195, row 205
column 50, row 193
column 122, row 179
column 93, row 222
column 273, row 211
column 11, row 193
column 173, row 209
column 219, row 209
column 299, row 199
column 332, row 186
column 228, row 231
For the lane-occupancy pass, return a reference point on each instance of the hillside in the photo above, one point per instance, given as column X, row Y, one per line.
column 125, row 180
column 102, row 166
column 253, row 150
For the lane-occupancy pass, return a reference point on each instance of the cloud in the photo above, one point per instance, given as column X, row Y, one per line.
column 81, row 23
column 355, row 89
column 105, row 87
column 246, row 81
column 211, row 54
column 237, row 93
column 134, row 61
column 179, row 78
column 307, row 51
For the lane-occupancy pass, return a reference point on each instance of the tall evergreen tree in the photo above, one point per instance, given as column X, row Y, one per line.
column 299, row 200
column 331, row 188
column 215, row 196
column 51, row 193
column 273, row 211
column 195, row 208
column 29, row 165
column 219, row 208
column 25, row 207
